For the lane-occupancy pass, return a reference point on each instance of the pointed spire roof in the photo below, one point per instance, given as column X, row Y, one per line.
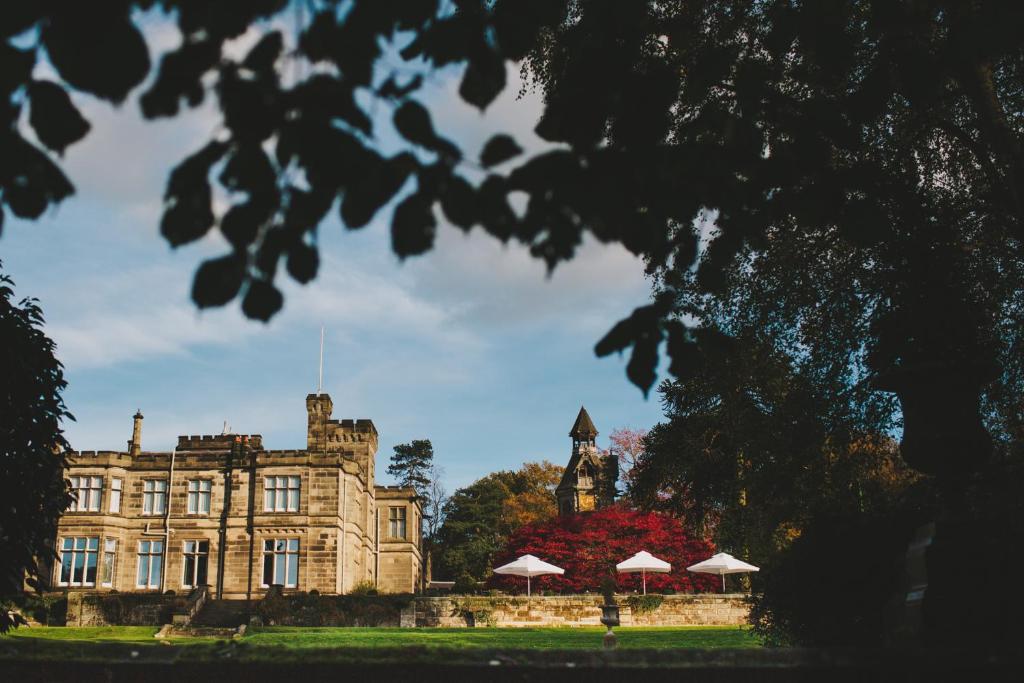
column 583, row 429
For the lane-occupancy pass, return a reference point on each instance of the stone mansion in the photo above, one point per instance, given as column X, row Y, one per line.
column 222, row 511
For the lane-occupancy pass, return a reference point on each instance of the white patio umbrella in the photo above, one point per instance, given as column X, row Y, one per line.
column 643, row 562
column 528, row 566
column 723, row 563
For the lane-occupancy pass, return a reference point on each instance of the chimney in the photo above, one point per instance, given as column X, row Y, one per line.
column 135, row 445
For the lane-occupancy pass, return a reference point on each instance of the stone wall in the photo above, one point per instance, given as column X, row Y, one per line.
column 120, row 609
column 709, row 609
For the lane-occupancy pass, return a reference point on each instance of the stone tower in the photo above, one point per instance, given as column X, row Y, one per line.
column 580, row 489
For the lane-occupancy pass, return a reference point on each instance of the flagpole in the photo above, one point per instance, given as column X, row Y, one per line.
column 320, row 379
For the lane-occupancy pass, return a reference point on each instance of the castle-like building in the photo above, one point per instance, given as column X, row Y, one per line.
column 580, row 489
column 221, row 511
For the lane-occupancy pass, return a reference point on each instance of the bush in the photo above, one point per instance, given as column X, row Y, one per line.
column 832, row 585
column 366, row 587
column 643, row 604
column 465, row 585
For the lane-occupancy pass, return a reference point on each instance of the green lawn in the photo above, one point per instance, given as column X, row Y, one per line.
column 122, row 642
column 504, row 638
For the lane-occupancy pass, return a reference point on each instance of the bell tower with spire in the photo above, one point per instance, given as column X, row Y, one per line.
column 580, row 489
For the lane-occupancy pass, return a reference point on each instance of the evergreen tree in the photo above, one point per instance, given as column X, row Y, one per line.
column 411, row 464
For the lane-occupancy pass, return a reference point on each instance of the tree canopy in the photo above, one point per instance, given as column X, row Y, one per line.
column 890, row 126
column 588, row 546
column 31, row 447
column 479, row 518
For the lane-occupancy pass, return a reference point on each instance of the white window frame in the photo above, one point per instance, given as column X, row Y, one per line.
column 108, row 568
column 116, row 488
column 281, row 493
column 282, row 554
column 78, row 550
column 88, row 492
column 397, row 522
column 154, row 492
column 195, row 550
column 200, row 492
column 152, row 554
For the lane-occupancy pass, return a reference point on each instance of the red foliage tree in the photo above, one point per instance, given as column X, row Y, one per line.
column 589, row 545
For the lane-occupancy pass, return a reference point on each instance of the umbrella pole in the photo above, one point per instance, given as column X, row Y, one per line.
column 527, row 585
column 723, row 582
column 643, row 575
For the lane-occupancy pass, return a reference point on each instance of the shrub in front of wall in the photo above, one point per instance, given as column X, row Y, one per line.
column 644, row 604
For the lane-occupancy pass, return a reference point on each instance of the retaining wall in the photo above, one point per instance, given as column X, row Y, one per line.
column 581, row 610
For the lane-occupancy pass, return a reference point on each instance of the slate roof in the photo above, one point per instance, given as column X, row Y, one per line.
column 583, row 429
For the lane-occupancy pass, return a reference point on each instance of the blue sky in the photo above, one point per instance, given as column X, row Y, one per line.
column 472, row 346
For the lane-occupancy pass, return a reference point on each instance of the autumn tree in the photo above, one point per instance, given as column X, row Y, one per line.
column 31, row 449
column 626, row 445
column 534, row 499
column 589, row 545
column 479, row 518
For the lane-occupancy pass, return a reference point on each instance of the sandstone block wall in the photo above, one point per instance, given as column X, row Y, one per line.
column 582, row 610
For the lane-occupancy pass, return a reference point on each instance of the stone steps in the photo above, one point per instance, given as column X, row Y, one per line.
column 222, row 614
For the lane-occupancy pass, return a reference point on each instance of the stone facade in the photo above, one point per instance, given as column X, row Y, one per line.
column 712, row 609
column 223, row 511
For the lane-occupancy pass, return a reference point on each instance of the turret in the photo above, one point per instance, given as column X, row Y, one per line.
column 318, row 413
column 135, row 444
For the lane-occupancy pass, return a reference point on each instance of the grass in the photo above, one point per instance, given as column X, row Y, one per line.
column 504, row 638
column 357, row 644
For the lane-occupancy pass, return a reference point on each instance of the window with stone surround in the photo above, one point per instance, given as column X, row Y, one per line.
column 396, row 522
column 199, row 496
column 281, row 494
column 281, row 562
column 115, row 495
column 87, row 492
column 78, row 558
column 196, row 556
column 154, row 496
column 151, row 555
column 109, row 559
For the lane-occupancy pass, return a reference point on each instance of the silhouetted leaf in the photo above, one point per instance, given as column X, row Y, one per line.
column 180, row 76
column 262, row 301
column 57, row 121
column 498, row 149
column 96, row 48
column 325, row 97
column 363, row 200
column 241, row 223
column 495, row 212
column 264, row 54
column 683, row 350
column 188, row 216
column 25, row 201
column 303, row 262
column 249, row 169
column 32, row 180
column 195, row 169
column 218, row 280
column 252, row 108
column 484, row 79
column 412, row 121
column 458, row 201
column 413, row 226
